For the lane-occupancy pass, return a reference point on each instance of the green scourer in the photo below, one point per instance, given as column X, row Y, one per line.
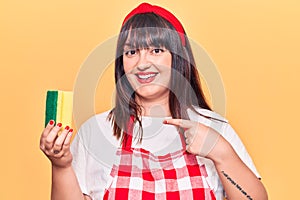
column 59, row 105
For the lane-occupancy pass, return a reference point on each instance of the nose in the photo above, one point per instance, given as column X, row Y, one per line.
column 143, row 62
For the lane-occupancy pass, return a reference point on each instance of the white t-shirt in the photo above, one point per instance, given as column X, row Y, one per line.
column 94, row 149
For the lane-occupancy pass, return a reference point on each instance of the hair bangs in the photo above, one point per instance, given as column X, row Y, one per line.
column 147, row 30
column 148, row 37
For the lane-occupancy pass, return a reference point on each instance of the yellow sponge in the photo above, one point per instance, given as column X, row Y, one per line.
column 59, row 106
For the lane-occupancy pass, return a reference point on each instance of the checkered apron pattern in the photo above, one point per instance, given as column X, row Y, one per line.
column 143, row 175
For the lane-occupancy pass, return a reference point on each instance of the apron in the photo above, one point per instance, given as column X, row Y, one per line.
column 143, row 175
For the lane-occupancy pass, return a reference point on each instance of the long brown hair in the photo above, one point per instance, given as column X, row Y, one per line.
column 141, row 31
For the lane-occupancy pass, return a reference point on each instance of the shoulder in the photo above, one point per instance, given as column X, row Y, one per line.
column 200, row 112
column 97, row 123
column 97, row 120
column 208, row 118
column 96, row 128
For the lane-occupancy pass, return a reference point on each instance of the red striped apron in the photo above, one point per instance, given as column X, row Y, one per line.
column 143, row 175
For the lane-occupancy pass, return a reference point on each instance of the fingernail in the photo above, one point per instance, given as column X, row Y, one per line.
column 71, row 130
column 67, row 127
column 51, row 122
column 165, row 121
column 59, row 124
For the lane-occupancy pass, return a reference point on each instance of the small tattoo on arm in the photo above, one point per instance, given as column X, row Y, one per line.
column 237, row 185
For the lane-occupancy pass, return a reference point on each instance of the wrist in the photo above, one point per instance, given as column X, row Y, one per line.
column 61, row 168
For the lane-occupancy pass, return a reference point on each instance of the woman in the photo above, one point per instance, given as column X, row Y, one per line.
column 187, row 151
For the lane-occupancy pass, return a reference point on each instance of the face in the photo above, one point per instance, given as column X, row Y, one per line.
column 148, row 70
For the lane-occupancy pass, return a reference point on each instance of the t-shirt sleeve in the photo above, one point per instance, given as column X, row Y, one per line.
column 91, row 155
column 232, row 137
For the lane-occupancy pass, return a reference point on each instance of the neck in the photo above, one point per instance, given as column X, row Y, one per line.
column 158, row 107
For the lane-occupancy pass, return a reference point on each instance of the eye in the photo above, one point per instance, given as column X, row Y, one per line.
column 157, row 51
column 130, row 52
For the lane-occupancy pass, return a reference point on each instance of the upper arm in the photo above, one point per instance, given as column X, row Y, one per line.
column 232, row 137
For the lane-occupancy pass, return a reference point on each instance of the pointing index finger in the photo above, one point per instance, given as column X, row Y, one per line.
column 180, row 122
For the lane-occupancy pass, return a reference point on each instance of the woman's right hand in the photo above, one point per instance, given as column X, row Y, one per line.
column 57, row 147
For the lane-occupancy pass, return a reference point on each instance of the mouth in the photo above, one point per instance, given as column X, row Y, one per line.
column 146, row 77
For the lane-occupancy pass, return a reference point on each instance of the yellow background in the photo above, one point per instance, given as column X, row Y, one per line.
column 255, row 45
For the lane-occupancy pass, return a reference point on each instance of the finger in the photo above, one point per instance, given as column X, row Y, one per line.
column 180, row 122
column 68, row 138
column 64, row 151
column 52, row 136
column 45, row 133
column 188, row 134
column 67, row 141
column 60, row 140
column 56, row 153
column 189, row 140
column 48, row 128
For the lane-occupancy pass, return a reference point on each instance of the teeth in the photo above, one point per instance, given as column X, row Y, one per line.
column 145, row 76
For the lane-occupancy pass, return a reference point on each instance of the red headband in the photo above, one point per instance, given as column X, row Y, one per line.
column 148, row 8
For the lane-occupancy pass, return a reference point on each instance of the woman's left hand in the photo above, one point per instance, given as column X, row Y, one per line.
column 200, row 139
column 204, row 141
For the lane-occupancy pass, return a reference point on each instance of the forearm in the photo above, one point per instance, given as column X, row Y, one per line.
column 65, row 185
column 238, row 180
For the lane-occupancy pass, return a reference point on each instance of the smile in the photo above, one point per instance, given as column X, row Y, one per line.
column 146, row 77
